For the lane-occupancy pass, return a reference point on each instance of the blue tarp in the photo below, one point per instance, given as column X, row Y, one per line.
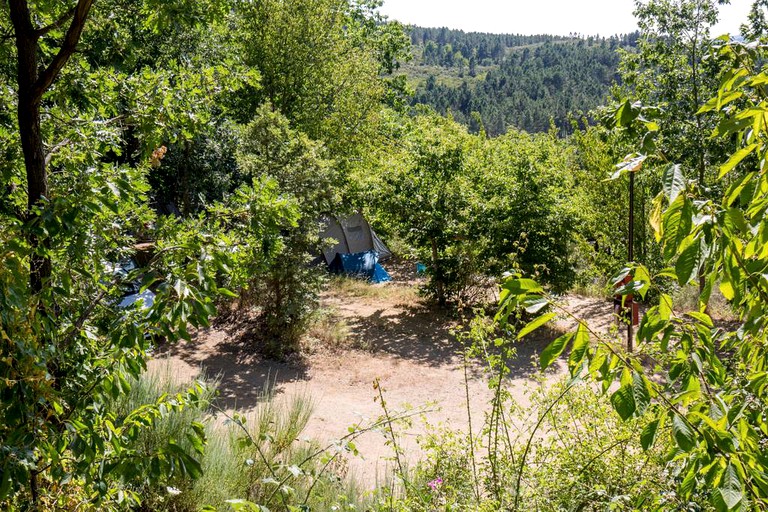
column 360, row 264
column 380, row 275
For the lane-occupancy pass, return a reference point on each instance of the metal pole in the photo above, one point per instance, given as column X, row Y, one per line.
column 631, row 252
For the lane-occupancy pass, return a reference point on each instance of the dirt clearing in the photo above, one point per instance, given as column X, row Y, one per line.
column 405, row 346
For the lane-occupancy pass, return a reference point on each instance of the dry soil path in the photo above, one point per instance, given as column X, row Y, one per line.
column 410, row 351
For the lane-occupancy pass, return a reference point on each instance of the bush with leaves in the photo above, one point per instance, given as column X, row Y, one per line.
column 471, row 206
column 69, row 348
column 706, row 390
column 429, row 198
column 566, row 450
column 285, row 291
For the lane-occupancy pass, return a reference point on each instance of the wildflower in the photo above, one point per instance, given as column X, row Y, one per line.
column 172, row 491
column 434, row 484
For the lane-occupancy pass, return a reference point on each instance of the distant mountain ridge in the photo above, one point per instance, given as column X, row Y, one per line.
column 512, row 81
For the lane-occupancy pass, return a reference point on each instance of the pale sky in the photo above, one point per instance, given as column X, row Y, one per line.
column 558, row 17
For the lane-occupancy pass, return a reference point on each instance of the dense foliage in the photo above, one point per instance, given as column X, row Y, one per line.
column 706, row 387
column 140, row 115
column 206, row 139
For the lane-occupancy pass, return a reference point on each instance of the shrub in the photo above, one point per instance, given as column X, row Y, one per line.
column 285, row 291
column 567, row 450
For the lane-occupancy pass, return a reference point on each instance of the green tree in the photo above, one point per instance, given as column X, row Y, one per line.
column 286, row 291
column 429, row 198
column 320, row 63
column 670, row 71
column 75, row 198
column 711, row 397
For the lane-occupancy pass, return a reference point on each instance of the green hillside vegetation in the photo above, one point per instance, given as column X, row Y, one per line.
column 513, row 81
column 205, row 139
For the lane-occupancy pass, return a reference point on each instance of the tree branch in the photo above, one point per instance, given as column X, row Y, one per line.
column 68, row 47
column 53, row 150
column 21, row 17
column 56, row 24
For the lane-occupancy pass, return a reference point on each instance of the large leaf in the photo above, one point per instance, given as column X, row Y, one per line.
column 655, row 217
column 641, row 391
column 626, row 114
column 554, row 349
column 648, row 435
column 665, row 307
column 518, row 286
column 735, row 159
column 683, row 433
column 623, row 400
column 730, row 492
column 673, row 182
column 535, row 324
column 688, row 263
column 580, row 346
column 677, row 223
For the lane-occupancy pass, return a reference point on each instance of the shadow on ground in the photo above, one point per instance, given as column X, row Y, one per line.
column 244, row 377
column 411, row 332
column 425, row 335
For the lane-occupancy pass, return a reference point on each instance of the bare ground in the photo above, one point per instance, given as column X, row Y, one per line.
column 408, row 348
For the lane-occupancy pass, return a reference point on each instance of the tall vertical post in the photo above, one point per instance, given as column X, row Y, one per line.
column 631, row 253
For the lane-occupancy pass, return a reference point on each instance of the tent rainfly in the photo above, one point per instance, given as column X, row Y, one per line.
column 353, row 234
column 358, row 249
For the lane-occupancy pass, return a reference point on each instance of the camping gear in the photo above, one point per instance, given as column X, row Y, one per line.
column 358, row 249
column 353, row 235
column 364, row 265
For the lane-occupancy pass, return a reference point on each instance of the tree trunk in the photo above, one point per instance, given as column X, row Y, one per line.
column 28, row 112
column 32, row 85
column 437, row 275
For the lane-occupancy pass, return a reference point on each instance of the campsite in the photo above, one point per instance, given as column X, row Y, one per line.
column 310, row 255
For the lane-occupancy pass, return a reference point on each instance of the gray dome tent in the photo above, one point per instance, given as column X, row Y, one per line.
column 353, row 235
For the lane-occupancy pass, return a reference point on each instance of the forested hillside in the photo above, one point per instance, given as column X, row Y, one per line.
column 517, row 81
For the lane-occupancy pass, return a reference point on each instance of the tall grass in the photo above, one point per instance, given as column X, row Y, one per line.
column 260, row 458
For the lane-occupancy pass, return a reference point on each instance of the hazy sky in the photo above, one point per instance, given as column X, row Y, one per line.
column 560, row 17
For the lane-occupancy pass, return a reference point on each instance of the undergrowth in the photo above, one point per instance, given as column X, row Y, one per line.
column 260, row 458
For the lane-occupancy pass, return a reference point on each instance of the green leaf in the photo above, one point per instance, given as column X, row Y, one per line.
column 641, row 274
column 673, row 182
column 625, row 114
column 554, row 349
column 580, row 346
column 676, row 222
column 227, row 293
column 735, row 190
column 726, row 288
column 687, row 265
column 665, row 307
column 641, row 392
column 737, row 220
column 702, row 318
column 623, row 401
column 648, row 435
column 735, row 159
column 535, row 324
column 730, row 489
column 683, row 433
column 519, row 286
column 655, row 217
column 533, row 305
column 688, row 484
